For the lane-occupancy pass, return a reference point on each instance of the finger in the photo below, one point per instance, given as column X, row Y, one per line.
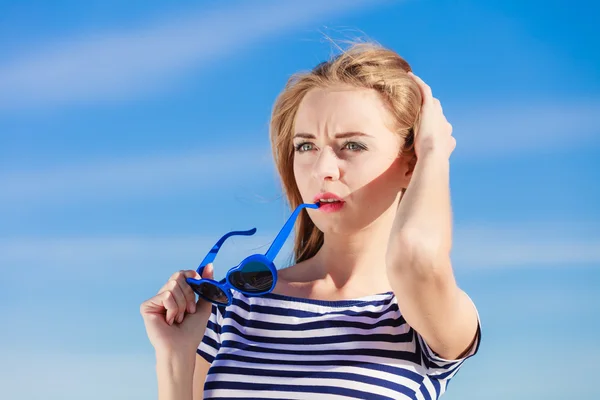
column 186, row 274
column 163, row 303
column 180, row 299
column 172, row 286
column 188, row 293
column 171, row 306
column 425, row 89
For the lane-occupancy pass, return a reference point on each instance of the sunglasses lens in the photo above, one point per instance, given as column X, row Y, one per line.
column 212, row 292
column 255, row 277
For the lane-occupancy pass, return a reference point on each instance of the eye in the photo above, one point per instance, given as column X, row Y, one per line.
column 303, row 147
column 354, row 146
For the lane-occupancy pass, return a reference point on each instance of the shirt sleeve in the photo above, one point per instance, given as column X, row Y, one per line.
column 440, row 369
column 211, row 342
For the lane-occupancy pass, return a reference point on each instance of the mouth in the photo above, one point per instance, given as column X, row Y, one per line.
column 325, row 201
column 328, row 202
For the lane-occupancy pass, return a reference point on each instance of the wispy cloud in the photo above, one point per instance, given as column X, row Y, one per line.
column 539, row 245
column 133, row 176
column 124, row 64
column 491, row 130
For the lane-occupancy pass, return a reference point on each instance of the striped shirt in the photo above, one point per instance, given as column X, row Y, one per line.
column 280, row 347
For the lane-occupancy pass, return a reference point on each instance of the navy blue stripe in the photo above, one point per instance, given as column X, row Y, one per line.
column 345, row 362
column 392, row 355
column 425, row 392
column 211, row 342
column 348, row 376
column 335, row 303
column 216, row 328
column 319, row 324
column 450, row 371
column 206, row 356
column 353, row 338
column 436, row 387
column 430, row 363
column 413, row 376
column 216, row 315
column 248, row 387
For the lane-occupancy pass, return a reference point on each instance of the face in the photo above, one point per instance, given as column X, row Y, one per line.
column 344, row 148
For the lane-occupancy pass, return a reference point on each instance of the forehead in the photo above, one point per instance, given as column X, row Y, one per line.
column 342, row 108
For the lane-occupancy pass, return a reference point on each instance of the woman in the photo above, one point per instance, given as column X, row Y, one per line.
column 371, row 308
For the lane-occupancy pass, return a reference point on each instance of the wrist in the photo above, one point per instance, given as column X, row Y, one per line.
column 177, row 367
column 175, row 359
column 175, row 375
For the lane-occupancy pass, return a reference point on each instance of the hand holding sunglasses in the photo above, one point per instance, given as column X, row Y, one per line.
column 256, row 275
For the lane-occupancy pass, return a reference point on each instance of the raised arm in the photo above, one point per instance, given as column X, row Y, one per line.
column 419, row 266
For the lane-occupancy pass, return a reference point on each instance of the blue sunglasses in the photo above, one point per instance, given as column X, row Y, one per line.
column 256, row 275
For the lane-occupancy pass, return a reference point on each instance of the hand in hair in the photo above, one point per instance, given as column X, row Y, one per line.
column 434, row 132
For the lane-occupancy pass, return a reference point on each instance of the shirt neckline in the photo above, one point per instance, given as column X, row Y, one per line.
column 332, row 303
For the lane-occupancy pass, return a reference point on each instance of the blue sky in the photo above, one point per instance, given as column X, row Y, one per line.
column 133, row 134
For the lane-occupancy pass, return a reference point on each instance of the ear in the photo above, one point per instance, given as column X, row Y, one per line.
column 408, row 161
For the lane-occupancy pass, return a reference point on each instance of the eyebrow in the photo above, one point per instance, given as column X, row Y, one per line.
column 341, row 135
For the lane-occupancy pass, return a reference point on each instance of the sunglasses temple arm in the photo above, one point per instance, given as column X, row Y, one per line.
column 285, row 232
column 210, row 257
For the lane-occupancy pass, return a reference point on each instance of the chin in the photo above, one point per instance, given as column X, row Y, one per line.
column 338, row 223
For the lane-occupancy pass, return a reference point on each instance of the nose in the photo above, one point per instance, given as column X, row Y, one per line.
column 326, row 166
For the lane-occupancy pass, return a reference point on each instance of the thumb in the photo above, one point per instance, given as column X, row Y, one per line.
column 208, row 272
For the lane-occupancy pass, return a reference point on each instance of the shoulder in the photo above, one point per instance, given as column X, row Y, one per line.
column 297, row 272
column 295, row 280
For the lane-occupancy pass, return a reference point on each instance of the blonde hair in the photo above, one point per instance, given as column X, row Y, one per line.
column 364, row 65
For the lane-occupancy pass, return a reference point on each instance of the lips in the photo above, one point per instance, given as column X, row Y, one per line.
column 329, row 202
column 327, row 197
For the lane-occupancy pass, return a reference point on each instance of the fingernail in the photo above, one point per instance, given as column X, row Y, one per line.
column 193, row 308
column 180, row 319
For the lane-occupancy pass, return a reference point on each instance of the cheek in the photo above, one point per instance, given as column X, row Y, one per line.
column 375, row 169
column 380, row 178
column 301, row 175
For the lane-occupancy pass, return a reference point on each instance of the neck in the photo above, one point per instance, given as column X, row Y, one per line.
column 356, row 261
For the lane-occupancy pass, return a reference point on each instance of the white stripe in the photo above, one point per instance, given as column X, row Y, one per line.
column 339, row 383
column 270, row 394
column 302, row 347
column 300, row 358
column 327, row 368
column 314, row 333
